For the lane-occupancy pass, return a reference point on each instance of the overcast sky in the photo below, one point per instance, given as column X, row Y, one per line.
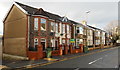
column 101, row 13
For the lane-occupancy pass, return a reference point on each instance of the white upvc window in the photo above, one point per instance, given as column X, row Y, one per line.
column 43, row 24
column 35, row 23
column 63, row 28
column 81, row 30
column 56, row 27
column 53, row 42
column 52, row 27
column 68, row 29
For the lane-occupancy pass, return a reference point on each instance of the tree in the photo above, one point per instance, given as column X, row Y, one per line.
column 112, row 28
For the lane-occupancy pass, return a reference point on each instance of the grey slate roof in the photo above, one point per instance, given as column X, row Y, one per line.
column 95, row 28
column 29, row 9
column 35, row 11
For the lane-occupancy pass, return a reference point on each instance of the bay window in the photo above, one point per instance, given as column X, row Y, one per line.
column 35, row 23
column 43, row 24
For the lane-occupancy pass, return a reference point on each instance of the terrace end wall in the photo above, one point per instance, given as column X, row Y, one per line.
column 15, row 32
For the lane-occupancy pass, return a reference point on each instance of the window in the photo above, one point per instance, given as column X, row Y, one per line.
column 63, row 41
column 52, row 26
column 56, row 28
column 78, row 31
column 63, row 28
column 77, row 43
column 52, row 42
column 35, row 23
column 77, row 40
column 43, row 24
column 81, row 30
column 68, row 29
column 35, row 42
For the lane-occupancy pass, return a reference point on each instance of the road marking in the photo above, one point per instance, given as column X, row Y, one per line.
column 71, row 57
column 95, row 61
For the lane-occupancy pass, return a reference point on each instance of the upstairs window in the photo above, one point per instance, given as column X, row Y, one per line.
column 63, row 28
column 56, row 28
column 68, row 29
column 35, row 23
column 80, row 30
column 52, row 26
column 43, row 24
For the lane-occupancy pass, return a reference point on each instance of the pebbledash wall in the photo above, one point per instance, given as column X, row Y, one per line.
column 26, row 27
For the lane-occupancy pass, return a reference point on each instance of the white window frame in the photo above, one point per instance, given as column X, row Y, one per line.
column 80, row 30
column 63, row 28
column 68, row 29
column 53, row 42
column 56, row 27
column 43, row 23
column 52, row 24
column 35, row 23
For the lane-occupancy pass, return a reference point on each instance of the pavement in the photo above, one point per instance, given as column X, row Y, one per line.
column 108, row 59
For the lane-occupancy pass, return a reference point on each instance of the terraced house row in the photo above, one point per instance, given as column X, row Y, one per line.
column 28, row 31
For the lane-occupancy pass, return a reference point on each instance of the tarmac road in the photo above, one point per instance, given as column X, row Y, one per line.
column 105, row 59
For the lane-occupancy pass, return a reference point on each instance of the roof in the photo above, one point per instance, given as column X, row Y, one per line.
column 35, row 11
column 95, row 28
column 53, row 16
column 28, row 9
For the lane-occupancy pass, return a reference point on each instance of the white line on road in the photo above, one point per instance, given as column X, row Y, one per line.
column 95, row 61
